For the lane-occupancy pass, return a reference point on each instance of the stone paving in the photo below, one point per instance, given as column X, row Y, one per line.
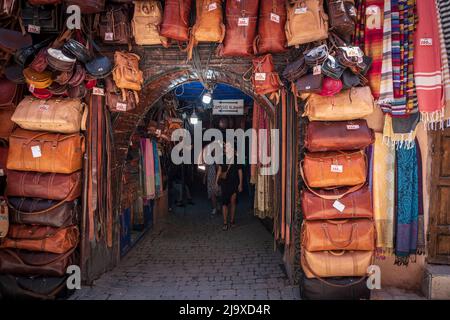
column 190, row 257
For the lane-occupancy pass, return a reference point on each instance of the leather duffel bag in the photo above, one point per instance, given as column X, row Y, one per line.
column 335, row 288
column 322, row 264
column 114, row 25
column 271, row 36
column 29, row 263
column 41, row 238
column 323, row 235
column 23, row 287
column 146, row 23
column 176, row 18
column 351, row 104
column 338, row 135
column 7, row 126
column 45, row 152
column 88, row 6
column 53, row 186
column 52, row 115
column 306, row 22
column 43, row 212
column 240, row 20
column 264, row 78
column 334, row 169
column 343, row 203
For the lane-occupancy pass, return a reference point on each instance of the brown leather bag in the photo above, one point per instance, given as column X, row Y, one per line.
column 114, row 99
column 240, row 20
column 7, row 126
column 323, row 235
column 126, row 73
column 114, row 25
column 29, row 263
column 146, row 23
column 271, row 36
column 45, row 152
column 3, row 157
column 334, row 169
column 264, row 78
column 306, row 22
column 343, row 203
column 338, row 135
column 342, row 16
column 88, row 6
column 41, row 238
column 52, row 186
column 335, row 263
column 176, row 19
column 10, row 92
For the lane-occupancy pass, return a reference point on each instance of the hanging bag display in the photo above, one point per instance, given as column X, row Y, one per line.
column 342, row 17
column 271, row 36
column 176, row 19
column 126, row 73
column 88, row 6
column 114, row 99
column 264, row 77
column 114, row 25
column 146, row 23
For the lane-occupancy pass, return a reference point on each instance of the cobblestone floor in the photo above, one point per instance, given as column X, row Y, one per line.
column 190, row 257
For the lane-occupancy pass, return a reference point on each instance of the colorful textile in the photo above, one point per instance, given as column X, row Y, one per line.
column 386, row 85
column 373, row 42
column 400, row 132
column 359, row 35
column 444, row 14
column 428, row 64
column 158, row 180
column 383, row 191
column 149, row 168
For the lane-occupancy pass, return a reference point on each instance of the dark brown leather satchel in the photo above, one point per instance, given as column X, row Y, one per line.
column 241, row 20
column 114, row 25
column 175, row 23
column 41, row 19
column 343, row 203
column 29, row 263
column 309, row 83
column 114, row 99
column 43, row 212
column 88, row 6
column 295, row 70
column 53, row 186
column 7, row 126
column 342, row 17
column 338, row 135
column 271, row 36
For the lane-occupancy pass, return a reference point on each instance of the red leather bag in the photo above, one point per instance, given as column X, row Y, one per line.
column 343, row 203
column 271, row 36
column 175, row 23
column 338, row 135
column 264, row 78
column 240, row 22
column 53, row 186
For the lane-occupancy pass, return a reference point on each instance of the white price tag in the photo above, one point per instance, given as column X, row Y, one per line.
column 31, row 88
column 98, row 91
column 274, row 17
column 337, row 168
column 34, row 29
column 352, row 126
column 260, row 76
column 243, row 22
column 121, row 106
column 2, row 173
column 212, row 6
column 426, row 42
column 109, row 36
column 300, row 10
column 36, row 151
column 371, row 10
column 317, row 70
column 339, row 206
column 44, row 107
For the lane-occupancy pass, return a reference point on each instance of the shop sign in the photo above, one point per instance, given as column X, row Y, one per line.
column 228, row 107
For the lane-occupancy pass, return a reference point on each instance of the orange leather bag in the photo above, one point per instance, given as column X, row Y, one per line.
column 264, row 78
column 271, row 36
column 356, row 234
column 334, row 169
column 335, row 263
column 176, row 19
column 126, row 73
column 45, row 152
column 41, row 238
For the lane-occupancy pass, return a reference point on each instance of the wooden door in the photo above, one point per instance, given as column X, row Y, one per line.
column 439, row 225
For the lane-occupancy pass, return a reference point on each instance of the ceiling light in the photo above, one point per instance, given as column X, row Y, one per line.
column 194, row 119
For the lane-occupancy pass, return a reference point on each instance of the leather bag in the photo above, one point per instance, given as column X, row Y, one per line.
column 342, row 16
column 338, row 135
column 44, row 212
column 9, row 93
column 23, row 287
column 323, row 235
column 58, row 61
column 73, row 48
column 335, row 263
column 295, row 70
column 51, row 186
column 47, row 18
column 264, row 78
column 209, row 25
column 38, row 80
column 41, row 238
column 7, row 8
column 240, row 20
column 175, row 23
column 29, row 263
column 11, row 40
column 114, row 99
column 45, row 152
column 126, row 73
column 88, row 6
column 309, row 83
column 306, row 22
column 336, row 288
column 7, row 126
column 53, row 115
column 146, row 23
column 3, row 157
column 99, row 67
column 334, row 169
column 349, row 104
column 271, row 36
column 343, row 203
column 114, row 25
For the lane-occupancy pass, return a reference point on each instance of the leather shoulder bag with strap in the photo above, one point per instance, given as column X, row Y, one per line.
column 264, row 77
column 146, row 23
column 114, row 99
column 271, row 36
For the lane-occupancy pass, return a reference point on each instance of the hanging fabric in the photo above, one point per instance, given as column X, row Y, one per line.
column 149, row 168
column 444, row 13
column 400, row 132
column 157, row 169
column 386, row 84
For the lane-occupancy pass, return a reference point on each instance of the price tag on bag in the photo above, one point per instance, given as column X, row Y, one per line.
column 36, row 151
column 274, row 17
column 260, row 76
column 98, row 91
column 352, row 126
column 339, row 206
column 426, row 42
column 337, row 168
column 212, row 6
column 44, row 107
column 300, row 10
column 109, row 36
column 317, row 70
column 34, row 29
column 372, row 10
column 121, row 106
column 243, row 22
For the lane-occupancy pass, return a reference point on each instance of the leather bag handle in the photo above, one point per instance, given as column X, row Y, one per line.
column 59, row 257
column 342, row 244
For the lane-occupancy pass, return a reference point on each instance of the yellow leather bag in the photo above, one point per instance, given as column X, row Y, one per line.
column 39, row 80
column 146, row 23
column 126, row 73
column 52, row 115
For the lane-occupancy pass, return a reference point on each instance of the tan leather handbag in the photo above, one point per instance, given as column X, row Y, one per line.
column 351, row 104
column 209, row 25
column 335, row 263
column 126, row 73
column 306, row 22
column 146, row 23
column 334, row 169
column 53, row 115
column 355, row 234
column 45, row 152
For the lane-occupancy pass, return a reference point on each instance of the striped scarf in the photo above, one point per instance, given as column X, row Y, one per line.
column 428, row 64
column 444, row 33
column 386, row 85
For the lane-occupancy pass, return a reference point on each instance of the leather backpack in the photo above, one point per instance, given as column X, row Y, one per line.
column 114, row 25
column 41, row 19
column 176, row 19
column 306, row 22
column 342, row 16
column 146, row 23
column 241, row 17
column 88, row 6
column 114, row 99
column 126, row 73
column 271, row 36
column 264, row 77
